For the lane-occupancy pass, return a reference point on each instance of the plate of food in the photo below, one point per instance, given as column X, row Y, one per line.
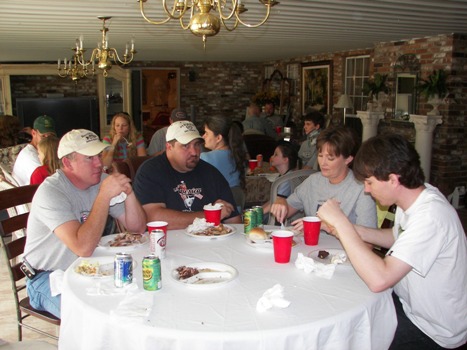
column 200, row 229
column 123, row 241
column 96, row 268
column 261, row 238
column 330, row 256
column 204, row 275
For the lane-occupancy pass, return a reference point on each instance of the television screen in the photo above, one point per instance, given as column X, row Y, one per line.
column 68, row 112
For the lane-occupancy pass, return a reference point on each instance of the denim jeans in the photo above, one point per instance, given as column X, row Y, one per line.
column 40, row 296
column 408, row 336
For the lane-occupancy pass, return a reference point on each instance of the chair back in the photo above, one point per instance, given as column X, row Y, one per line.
column 295, row 178
column 130, row 165
column 13, row 248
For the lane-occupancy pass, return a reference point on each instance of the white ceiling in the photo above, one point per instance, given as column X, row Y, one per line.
column 45, row 30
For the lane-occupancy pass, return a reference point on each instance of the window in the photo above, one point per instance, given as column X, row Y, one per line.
column 356, row 74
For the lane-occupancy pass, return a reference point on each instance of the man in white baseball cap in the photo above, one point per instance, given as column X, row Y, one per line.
column 70, row 210
column 175, row 185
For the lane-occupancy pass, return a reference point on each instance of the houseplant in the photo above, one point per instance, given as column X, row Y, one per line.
column 434, row 89
column 377, row 90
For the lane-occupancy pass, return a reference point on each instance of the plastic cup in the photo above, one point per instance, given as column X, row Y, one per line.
column 213, row 215
column 253, row 164
column 311, row 228
column 282, row 242
column 278, row 130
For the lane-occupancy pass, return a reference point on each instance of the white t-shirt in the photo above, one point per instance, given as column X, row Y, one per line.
column 430, row 238
column 25, row 164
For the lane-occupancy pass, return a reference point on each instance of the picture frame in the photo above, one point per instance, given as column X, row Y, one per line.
column 316, row 87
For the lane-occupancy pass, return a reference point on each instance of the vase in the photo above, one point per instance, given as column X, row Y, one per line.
column 435, row 101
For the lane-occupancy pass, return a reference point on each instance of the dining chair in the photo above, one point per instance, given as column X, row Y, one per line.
column 130, row 165
column 12, row 249
column 295, row 178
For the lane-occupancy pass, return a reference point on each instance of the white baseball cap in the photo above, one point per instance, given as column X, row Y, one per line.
column 81, row 141
column 182, row 131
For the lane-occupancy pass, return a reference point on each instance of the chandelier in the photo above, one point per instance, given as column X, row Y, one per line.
column 102, row 55
column 201, row 21
column 73, row 68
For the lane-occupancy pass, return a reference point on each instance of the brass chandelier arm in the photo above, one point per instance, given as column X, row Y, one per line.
column 258, row 24
column 170, row 15
column 219, row 9
column 232, row 28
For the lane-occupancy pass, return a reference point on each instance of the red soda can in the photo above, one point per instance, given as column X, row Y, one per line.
column 157, row 243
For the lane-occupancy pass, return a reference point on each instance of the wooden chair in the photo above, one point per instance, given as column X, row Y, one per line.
column 13, row 248
column 295, row 178
column 130, row 165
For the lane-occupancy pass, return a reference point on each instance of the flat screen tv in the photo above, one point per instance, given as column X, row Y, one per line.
column 68, row 112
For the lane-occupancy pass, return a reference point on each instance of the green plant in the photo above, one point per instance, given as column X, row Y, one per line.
column 262, row 97
column 375, row 86
column 435, row 84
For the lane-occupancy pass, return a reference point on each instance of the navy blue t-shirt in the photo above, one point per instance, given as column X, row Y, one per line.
column 157, row 182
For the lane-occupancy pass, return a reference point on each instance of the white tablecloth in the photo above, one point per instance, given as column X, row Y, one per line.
column 340, row 313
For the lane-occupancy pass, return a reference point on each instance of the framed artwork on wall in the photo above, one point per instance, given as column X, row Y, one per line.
column 316, row 86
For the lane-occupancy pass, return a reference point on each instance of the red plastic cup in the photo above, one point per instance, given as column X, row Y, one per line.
column 213, row 215
column 158, row 225
column 278, row 130
column 311, row 228
column 282, row 242
column 253, row 164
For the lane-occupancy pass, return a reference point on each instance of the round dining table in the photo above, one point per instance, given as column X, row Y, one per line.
column 336, row 313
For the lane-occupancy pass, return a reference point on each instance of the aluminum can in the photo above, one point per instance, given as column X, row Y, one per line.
column 249, row 220
column 152, row 278
column 259, row 215
column 157, row 243
column 123, row 269
column 259, row 158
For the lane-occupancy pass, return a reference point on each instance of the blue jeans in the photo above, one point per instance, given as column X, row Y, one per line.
column 40, row 296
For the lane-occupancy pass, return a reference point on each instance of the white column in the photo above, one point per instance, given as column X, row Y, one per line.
column 370, row 121
column 424, row 126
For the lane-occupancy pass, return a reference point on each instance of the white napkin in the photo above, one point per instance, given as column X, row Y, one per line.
column 310, row 265
column 107, row 287
column 56, row 282
column 118, row 199
column 272, row 297
column 135, row 307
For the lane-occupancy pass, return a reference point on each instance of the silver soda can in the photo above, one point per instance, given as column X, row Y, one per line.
column 157, row 243
column 123, row 269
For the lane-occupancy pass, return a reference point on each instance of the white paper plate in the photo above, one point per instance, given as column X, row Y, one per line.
column 105, row 243
column 221, row 275
column 270, row 228
column 105, row 267
column 267, row 244
column 314, row 255
column 208, row 238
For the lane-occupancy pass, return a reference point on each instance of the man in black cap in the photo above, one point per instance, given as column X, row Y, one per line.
column 157, row 144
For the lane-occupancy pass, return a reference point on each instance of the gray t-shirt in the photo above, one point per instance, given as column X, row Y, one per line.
column 158, row 141
column 56, row 202
column 359, row 207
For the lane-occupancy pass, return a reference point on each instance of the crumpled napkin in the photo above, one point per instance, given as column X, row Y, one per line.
column 107, row 287
column 56, row 282
column 136, row 307
column 272, row 297
column 118, row 199
column 310, row 265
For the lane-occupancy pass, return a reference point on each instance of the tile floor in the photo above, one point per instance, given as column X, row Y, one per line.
column 8, row 329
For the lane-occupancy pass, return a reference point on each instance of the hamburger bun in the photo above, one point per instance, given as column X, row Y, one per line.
column 257, row 234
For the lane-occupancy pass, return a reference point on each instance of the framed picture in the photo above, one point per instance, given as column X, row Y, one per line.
column 316, row 86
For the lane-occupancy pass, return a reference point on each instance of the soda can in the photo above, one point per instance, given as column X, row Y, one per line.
column 157, row 243
column 123, row 269
column 259, row 158
column 259, row 215
column 152, row 278
column 249, row 220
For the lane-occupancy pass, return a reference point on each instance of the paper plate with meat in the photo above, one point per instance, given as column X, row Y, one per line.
column 124, row 241
column 95, row 267
column 204, row 275
column 206, row 231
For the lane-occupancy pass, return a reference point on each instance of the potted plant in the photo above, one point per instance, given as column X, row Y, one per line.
column 377, row 90
column 434, row 89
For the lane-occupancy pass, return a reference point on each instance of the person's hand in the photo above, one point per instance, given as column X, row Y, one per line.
column 330, row 212
column 115, row 184
column 227, row 208
column 297, row 225
column 280, row 209
column 116, row 139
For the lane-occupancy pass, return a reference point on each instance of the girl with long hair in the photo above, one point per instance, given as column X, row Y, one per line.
column 47, row 149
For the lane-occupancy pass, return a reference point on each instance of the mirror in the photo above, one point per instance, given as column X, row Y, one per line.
column 406, row 95
column 406, row 71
